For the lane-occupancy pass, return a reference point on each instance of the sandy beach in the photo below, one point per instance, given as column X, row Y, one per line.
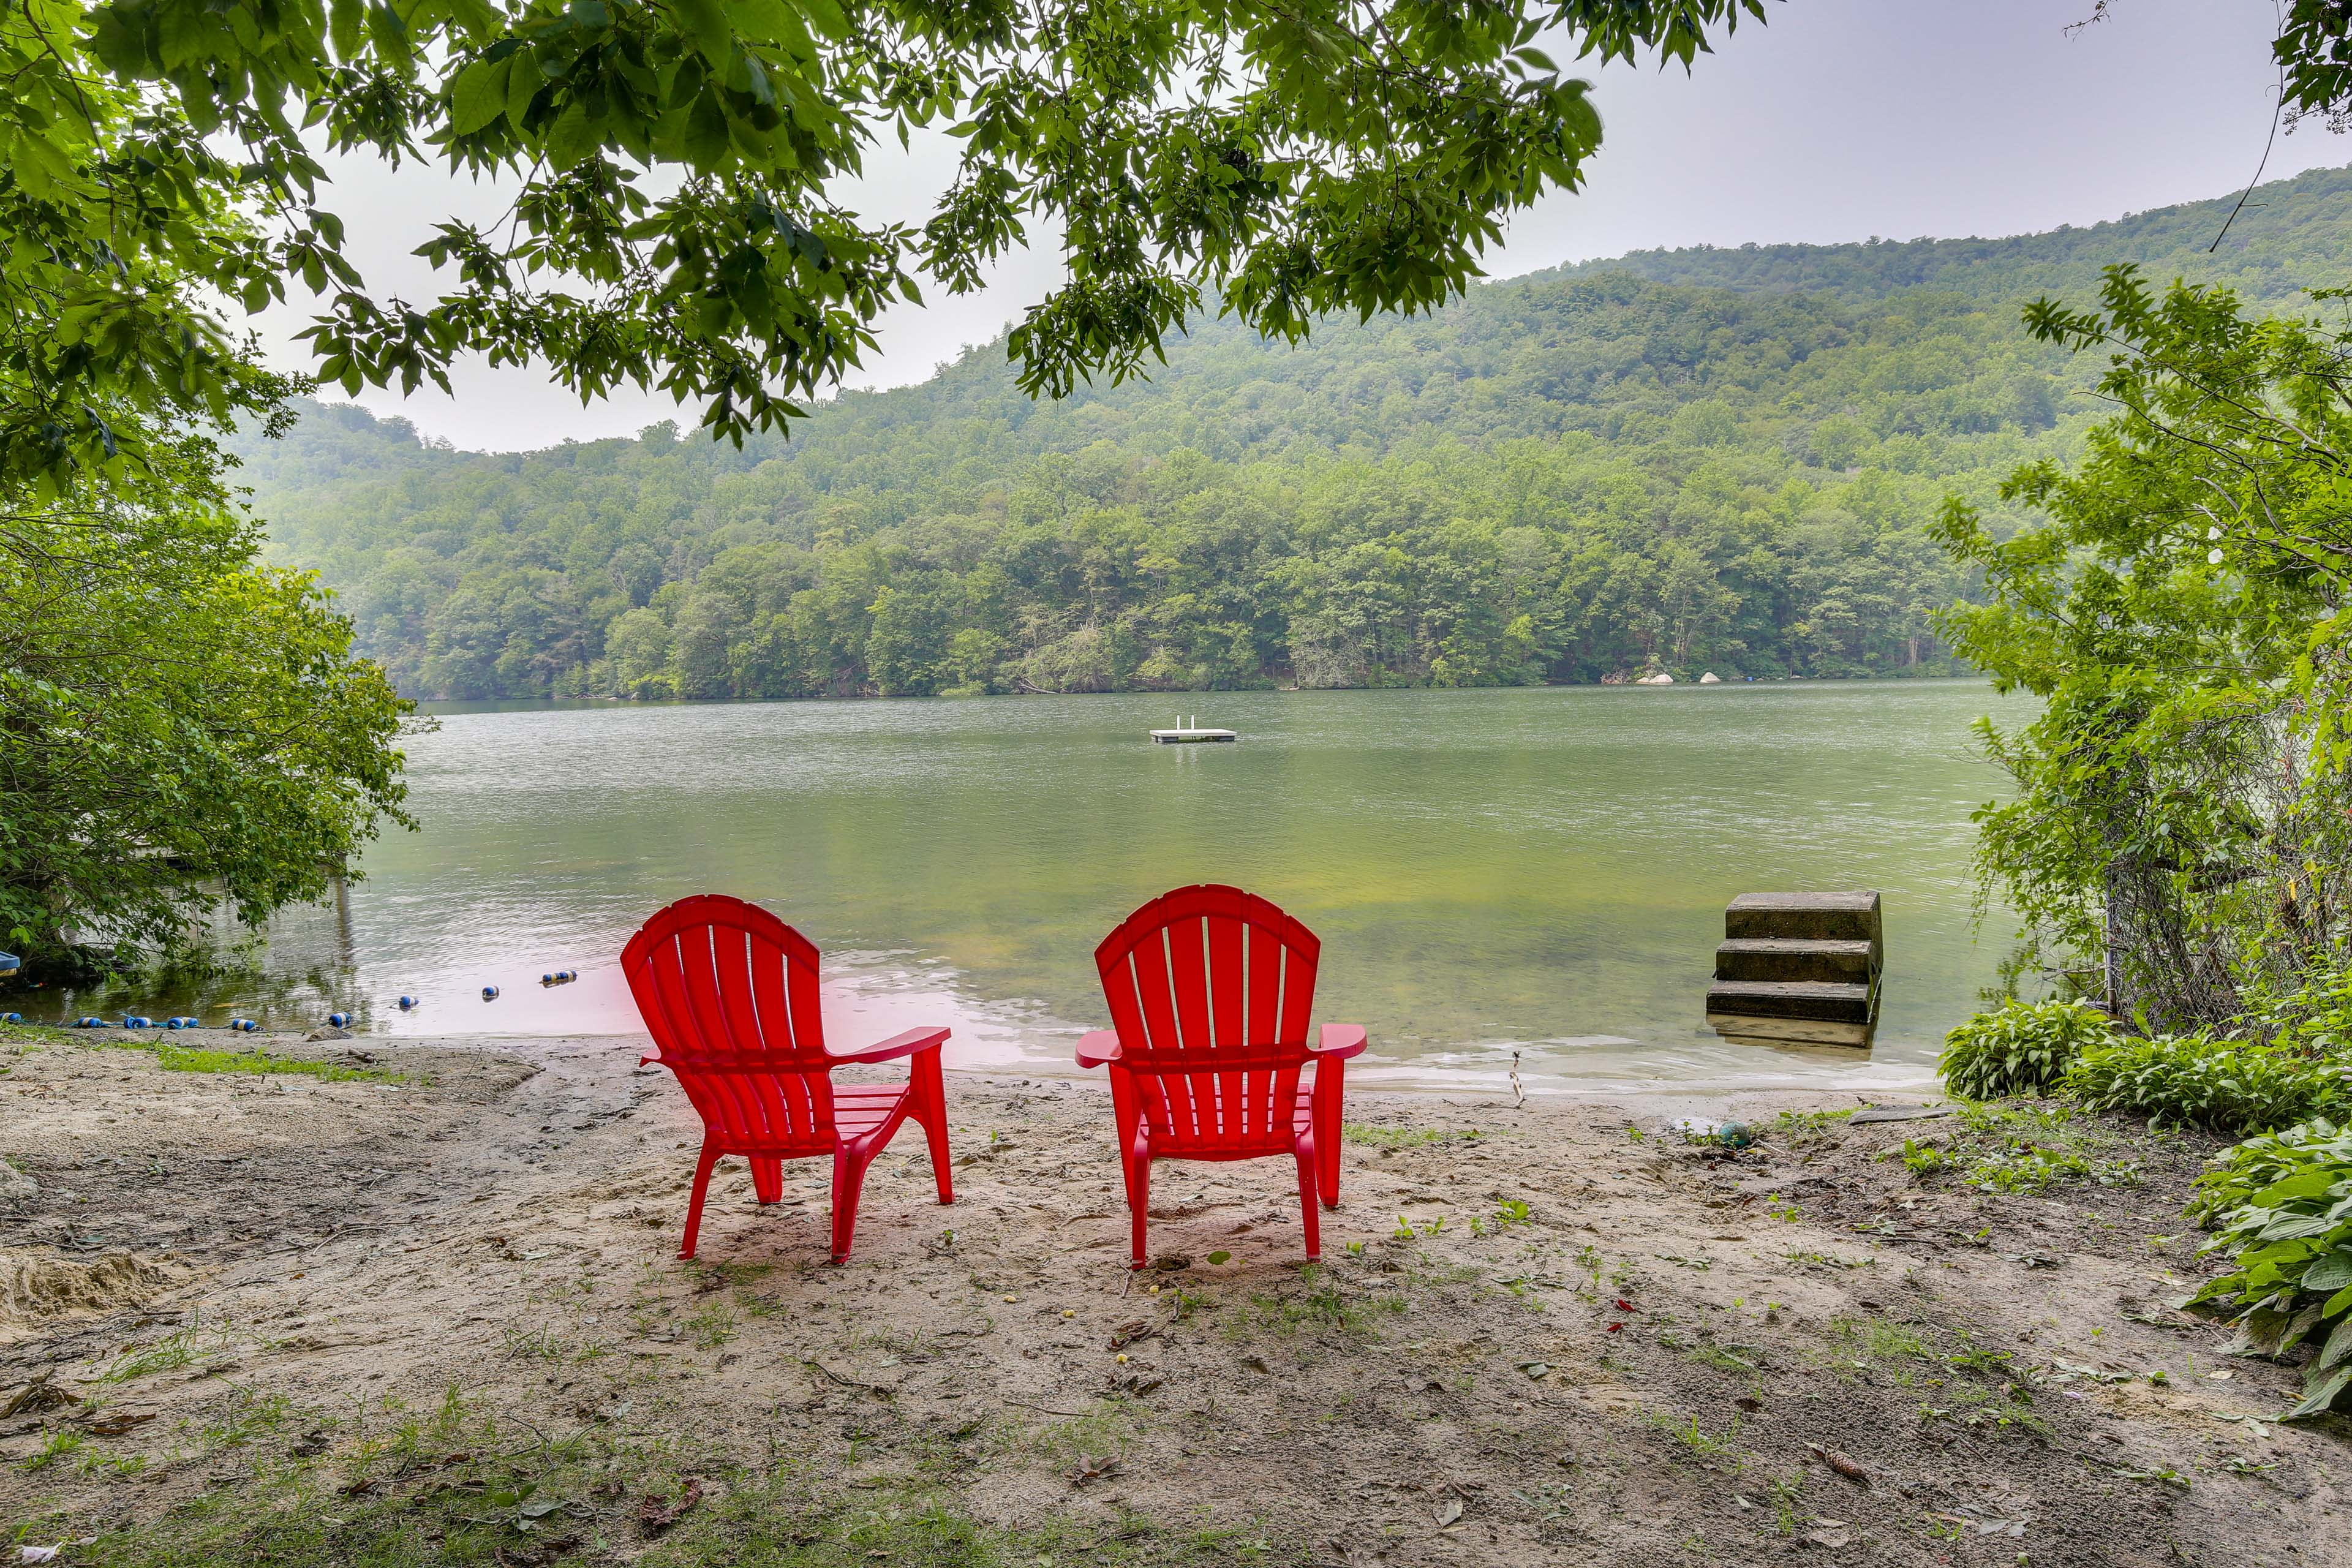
column 434, row 1308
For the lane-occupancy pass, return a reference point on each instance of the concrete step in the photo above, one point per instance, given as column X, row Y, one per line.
column 1824, row 1000
column 1788, row 958
column 1803, row 917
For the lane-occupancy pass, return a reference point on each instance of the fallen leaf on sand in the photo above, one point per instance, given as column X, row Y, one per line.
column 655, row 1514
column 1255, row 1363
column 115, row 1422
column 1829, row 1537
column 1092, row 1469
column 34, row 1397
column 1450, row 1512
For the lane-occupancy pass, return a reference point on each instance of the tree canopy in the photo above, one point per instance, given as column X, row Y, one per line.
column 179, row 724
column 2178, row 837
column 677, row 168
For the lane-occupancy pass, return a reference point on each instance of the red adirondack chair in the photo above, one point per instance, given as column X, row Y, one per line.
column 1209, row 989
column 729, row 994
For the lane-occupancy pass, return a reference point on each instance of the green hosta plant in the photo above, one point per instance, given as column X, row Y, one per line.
column 2196, row 1081
column 2282, row 1206
column 2021, row 1047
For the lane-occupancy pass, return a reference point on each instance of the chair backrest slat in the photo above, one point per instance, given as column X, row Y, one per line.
column 729, row 992
column 1223, row 1003
column 1210, row 990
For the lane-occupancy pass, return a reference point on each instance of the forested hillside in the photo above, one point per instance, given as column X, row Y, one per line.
column 1568, row 479
column 2288, row 237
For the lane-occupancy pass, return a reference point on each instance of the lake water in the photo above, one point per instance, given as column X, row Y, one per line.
column 1538, row 870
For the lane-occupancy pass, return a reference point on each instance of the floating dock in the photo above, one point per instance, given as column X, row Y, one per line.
column 1798, row 966
column 1187, row 734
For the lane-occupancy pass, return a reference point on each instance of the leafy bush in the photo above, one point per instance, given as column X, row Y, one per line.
column 2195, row 1081
column 2314, row 1019
column 2282, row 1206
column 2021, row 1047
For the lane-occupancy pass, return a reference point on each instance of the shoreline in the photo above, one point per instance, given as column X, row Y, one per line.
column 1861, row 1077
column 1599, row 1341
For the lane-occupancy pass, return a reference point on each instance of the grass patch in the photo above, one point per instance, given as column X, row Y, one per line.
column 1379, row 1137
column 1720, row 1359
column 2027, row 1148
column 1703, row 1445
column 250, row 1417
column 173, row 1057
column 1881, row 1340
column 1800, row 1129
column 197, row 1058
column 1318, row 1302
column 448, row 1486
column 537, row 1343
column 1875, row 1343
column 711, row 1327
column 1103, row 1432
column 1982, row 1409
column 173, row 1350
column 58, row 1446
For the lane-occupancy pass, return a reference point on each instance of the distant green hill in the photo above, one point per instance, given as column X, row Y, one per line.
column 1576, row 477
column 2289, row 237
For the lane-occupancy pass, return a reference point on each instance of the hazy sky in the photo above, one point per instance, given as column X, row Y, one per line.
column 1841, row 120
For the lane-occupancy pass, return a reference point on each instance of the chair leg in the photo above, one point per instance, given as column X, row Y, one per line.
column 694, row 1205
column 848, row 1181
column 1327, row 1131
column 1139, row 1204
column 768, row 1180
column 930, row 1107
column 1307, row 1197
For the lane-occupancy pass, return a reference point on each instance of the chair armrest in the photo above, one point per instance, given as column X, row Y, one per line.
column 897, row 1045
column 1099, row 1046
column 1340, row 1041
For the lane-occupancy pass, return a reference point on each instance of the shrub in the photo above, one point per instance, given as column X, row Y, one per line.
column 2314, row 1019
column 2281, row 1207
column 2021, row 1047
column 2195, row 1081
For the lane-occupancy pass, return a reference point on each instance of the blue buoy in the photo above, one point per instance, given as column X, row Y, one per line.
column 490, row 993
column 10, row 964
column 406, row 1003
column 337, row 1020
column 559, row 978
column 134, row 1021
column 12, row 1017
column 184, row 1022
column 244, row 1025
column 90, row 1023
